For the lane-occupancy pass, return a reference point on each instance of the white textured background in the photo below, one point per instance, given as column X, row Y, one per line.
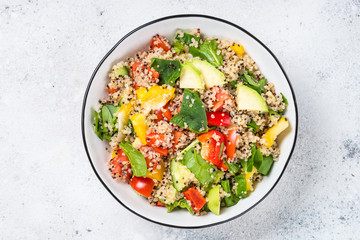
column 48, row 50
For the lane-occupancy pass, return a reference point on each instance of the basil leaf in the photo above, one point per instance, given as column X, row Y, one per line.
column 169, row 70
column 208, row 51
column 232, row 199
column 204, row 171
column 241, row 186
column 182, row 203
column 137, row 160
column 266, row 165
column 178, row 46
column 253, row 125
column 192, row 114
column 187, row 38
column 251, row 82
column 284, row 99
column 258, row 159
column 233, row 167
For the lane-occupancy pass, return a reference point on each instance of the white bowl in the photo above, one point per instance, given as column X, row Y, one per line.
column 139, row 39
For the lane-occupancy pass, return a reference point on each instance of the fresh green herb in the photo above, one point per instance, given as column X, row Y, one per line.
column 105, row 121
column 272, row 112
column 284, row 99
column 258, row 159
column 97, row 125
column 182, row 203
column 192, row 114
column 206, row 208
column 129, row 124
column 178, row 46
column 208, row 51
column 266, row 165
column 137, row 160
column 233, row 83
column 121, row 72
column 187, row 38
column 233, row 167
column 232, row 199
column 221, row 149
column 204, row 171
column 169, row 70
column 248, row 165
column 251, row 82
column 253, row 125
column 241, row 187
column 196, row 141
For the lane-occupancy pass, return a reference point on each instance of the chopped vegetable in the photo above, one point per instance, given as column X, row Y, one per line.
column 284, row 99
column 137, row 160
column 271, row 134
column 178, row 46
column 214, row 199
column 142, row 185
column 241, row 186
column 221, row 97
column 251, row 82
column 182, row 203
column 121, row 72
column 139, row 123
column 169, row 70
column 230, row 142
column 192, row 114
column 239, row 50
column 211, row 146
column 232, row 199
column 196, row 199
column 120, row 167
column 157, row 172
column 233, row 167
column 187, row 38
column 265, row 167
column 253, row 125
column 204, row 172
column 160, row 42
column 208, row 51
column 152, row 138
column 218, row 119
column 123, row 118
column 154, row 97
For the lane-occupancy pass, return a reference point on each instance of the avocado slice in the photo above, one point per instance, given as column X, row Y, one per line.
column 249, row 99
column 214, row 199
column 212, row 76
column 191, row 77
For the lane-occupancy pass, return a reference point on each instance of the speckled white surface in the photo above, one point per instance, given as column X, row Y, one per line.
column 48, row 52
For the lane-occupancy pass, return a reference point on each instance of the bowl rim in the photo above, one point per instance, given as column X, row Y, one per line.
column 116, row 45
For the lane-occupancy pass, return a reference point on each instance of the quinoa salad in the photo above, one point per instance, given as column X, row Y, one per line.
column 191, row 123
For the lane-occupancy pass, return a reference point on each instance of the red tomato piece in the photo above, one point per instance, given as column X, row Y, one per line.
column 160, row 204
column 137, row 68
column 159, row 115
column 218, row 119
column 163, row 113
column 177, row 136
column 221, row 96
column 211, row 149
column 230, row 142
column 112, row 90
column 222, row 166
column 142, row 185
column 120, row 166
column 196, row 199
column 152, row 139
column 160, row 42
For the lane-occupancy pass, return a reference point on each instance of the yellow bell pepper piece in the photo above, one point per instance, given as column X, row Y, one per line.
column 239, row 50
column 249, row 179
column 114, row 154
column 123, row 118
column 274, row 131
column 156, row 173
column 139, row 123
column 154, row 97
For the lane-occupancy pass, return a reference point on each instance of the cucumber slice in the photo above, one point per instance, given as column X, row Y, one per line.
column 181, row 176
column 214, row 200
column 249, row 99
column 212, row 76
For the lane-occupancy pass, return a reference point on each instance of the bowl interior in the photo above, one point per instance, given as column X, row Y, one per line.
column 139, row 39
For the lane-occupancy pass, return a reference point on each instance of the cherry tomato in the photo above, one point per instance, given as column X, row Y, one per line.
column 160, row 42
column 120, row 166
column 142, row 185
column 218, row 119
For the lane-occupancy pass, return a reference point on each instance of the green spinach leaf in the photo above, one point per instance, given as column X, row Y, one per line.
column 204, row 171
column 182, row 203
column 192, row 114
column 187, row 38
column 266, row 165
column 232, row 199
column 253, row 125
column 284, row 99
column 233, row 167
column 241, row 187
column 251, row 82
column 208, row 51
column 272, row 112
column 178, row 46
column 169, row 70
column 258, row 159
column 137, row 160
column 97, row 125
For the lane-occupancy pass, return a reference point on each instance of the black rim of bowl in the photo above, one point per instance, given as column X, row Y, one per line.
column 150, row 23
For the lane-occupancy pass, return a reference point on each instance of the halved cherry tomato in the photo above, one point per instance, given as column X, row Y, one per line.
column 211, row 149
column 230, row 142
column 218, row 119
column 112, row 90
column 196, row 199
column 136, row 65
column 160, row 204
column 151, row 140
column 221, row 96
column 142, row 185
column 120, row 166
column 160, row 42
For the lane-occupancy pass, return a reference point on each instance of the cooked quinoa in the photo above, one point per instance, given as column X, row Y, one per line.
column 180, row 120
